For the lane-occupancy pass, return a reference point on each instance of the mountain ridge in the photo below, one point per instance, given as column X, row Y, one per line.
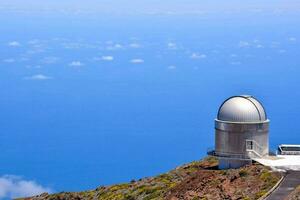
column 193, row 181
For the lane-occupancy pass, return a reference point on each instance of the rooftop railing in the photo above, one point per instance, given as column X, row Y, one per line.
column 289, row 153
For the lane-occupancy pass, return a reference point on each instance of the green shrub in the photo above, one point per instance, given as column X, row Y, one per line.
column 260, row 194
column 243, row 173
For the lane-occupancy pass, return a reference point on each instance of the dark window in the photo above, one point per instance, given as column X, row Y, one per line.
column 249, row 145
column 290, row 148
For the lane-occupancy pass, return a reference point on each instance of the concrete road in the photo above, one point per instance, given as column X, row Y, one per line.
column 289, row 183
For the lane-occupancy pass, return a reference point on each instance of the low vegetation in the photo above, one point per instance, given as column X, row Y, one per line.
column 193, row 181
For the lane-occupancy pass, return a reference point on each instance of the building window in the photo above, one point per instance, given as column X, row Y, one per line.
column 249, row 145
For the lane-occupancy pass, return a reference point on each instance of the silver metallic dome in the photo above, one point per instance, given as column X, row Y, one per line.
column 242, row 108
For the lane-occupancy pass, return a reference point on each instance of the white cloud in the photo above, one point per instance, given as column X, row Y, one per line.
column 14, row 44
column 24, row 58
column 172, row 45
column 259, row 46
column 135, row 45
column 292, row 39
column 274, row 44
column 76, row 64
column 9, row 60
column 109, row 42
column 38, row 77
column 137, row 61
column 282, row 51
column 198, row 56
column 254, row 43
column 13, row 187
column 243, row 44
column 33, row 42
column 172, row 67
column 118, row 46
column 107, row 58
column 71, row 45
column 114, row 47
column 33, row 67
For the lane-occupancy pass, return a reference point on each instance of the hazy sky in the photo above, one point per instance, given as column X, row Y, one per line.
column 133, row 6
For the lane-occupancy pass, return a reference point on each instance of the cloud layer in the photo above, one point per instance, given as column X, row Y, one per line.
column 14, row 187
column 76, row 64
column 39, row 77
column 107, row 58
column 198, row 56
column 137, row 61
column 14, row 44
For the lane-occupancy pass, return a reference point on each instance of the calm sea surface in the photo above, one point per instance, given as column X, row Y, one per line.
column 90, row 101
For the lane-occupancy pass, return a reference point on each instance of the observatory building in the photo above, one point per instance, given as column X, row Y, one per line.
column 241, row 132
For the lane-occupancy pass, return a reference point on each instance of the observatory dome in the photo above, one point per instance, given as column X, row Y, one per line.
column 242, row 108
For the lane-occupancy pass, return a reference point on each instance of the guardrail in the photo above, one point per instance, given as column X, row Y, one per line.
column 253, row 147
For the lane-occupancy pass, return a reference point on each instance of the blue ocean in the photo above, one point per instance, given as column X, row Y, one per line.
column 89, row 100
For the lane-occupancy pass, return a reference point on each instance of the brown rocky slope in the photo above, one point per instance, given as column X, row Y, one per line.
column 295, row 195
column 193, row 181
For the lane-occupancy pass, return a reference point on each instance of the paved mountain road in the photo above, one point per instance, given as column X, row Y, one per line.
column 289, row 183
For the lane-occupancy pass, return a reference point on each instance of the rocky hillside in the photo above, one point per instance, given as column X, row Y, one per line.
column 295, row 195
column 193, row 181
